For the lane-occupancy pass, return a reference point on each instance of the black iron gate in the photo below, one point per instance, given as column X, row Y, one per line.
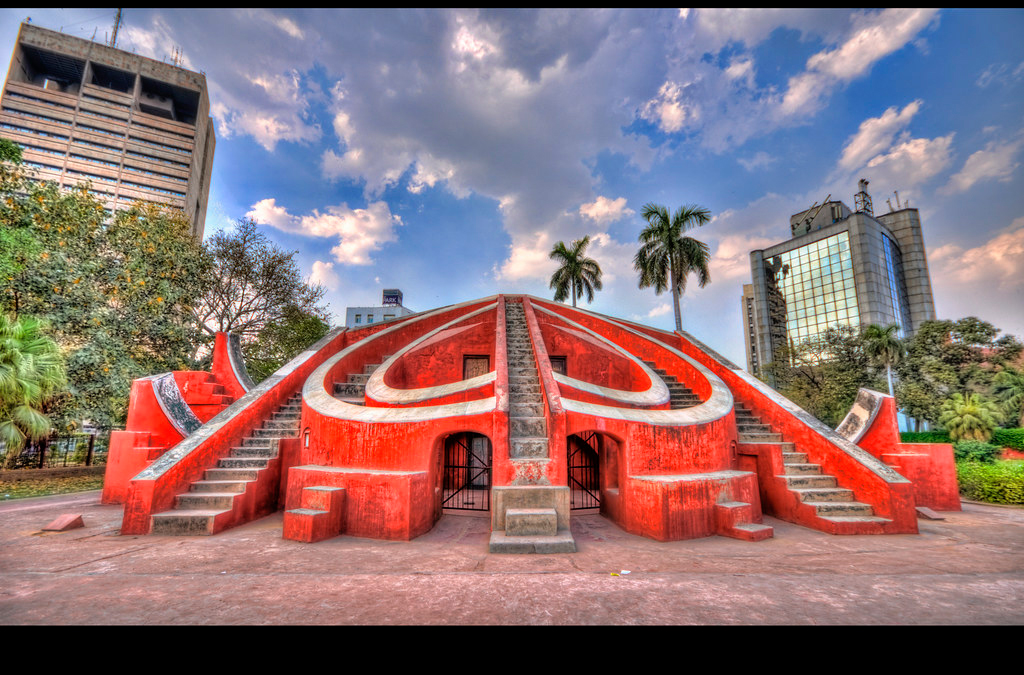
column 467, row 473
column 584, row 479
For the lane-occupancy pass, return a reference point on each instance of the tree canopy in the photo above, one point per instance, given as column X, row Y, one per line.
column 253, row 283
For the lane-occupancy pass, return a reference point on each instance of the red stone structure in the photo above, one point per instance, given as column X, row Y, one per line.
column 525, row 410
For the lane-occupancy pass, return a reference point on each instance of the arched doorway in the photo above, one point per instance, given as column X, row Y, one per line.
column 584, row 471
column 466, row 477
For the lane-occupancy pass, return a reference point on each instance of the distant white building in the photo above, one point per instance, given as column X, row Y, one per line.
column 391, row 308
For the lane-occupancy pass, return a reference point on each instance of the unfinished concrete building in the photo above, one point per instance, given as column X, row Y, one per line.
column 133, row 127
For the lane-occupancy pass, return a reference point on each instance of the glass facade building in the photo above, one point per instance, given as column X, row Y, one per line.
column 840, row 268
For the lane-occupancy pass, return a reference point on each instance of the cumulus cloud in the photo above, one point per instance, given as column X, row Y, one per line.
column 760, row 159
column 359, row 231
column 875, row 135
column 873, row 37
column 604, row 211
column 997, row 263
column 997, row 161
column 323, row 273
column 669, row 110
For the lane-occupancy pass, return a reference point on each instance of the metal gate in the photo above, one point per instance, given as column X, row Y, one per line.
column 584, row 478
column 467, row 473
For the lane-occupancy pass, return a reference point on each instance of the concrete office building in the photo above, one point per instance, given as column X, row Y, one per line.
column 840, row 267
column 136, row 128
column 391, row 308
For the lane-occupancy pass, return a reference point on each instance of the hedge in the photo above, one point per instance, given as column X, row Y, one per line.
column 999, row 483
column 1004, row 438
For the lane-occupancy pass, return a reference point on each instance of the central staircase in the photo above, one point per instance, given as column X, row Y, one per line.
column 527, row 518
column 353, row 390
column 680, row 396
column 233, row 487
column 814, row 489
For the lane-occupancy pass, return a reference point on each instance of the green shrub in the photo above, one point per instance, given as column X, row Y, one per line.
column 939, row 436
column 1009, row 438
column 999, row 482
column 975, row 451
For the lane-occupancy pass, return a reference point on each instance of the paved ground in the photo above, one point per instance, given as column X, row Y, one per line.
column 966, row 569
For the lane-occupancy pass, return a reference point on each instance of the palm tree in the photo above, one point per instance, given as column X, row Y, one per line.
column 578, row 274
column 884, row 348
column 31, row 371
column 969, row 418
column 666, row 256
column 1009, row 389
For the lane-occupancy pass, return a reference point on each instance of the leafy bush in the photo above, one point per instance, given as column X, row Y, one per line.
column 999, row 482
column 969, row 418
column 975, row 451
column 1009, row 438
column 939, row 436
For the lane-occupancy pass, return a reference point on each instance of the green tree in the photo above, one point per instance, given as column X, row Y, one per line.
column 577, row 274
column 1009, row 391
column 884, row 348
column 278, row 342
column 951, row 357
column 667, row 256
column 117, row 290
column 31, row 373
column 969, row 418
column 253, row 283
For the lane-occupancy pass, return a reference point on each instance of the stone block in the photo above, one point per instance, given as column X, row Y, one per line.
column 64, row 522
column 531, row 522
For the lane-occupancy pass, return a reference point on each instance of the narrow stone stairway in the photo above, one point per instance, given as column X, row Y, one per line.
column 196, row 512
column 803, row 478
column 353, row 390
column 528, row 431
column 680, row 396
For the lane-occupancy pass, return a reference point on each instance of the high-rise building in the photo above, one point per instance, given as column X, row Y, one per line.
column 135, row 128
column 840, row 267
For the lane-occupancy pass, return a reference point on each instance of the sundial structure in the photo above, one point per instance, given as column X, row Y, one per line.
column 524, row 410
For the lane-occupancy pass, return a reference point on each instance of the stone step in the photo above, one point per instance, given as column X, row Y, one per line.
column 531, row 522
column 233, row 486
column 526, row 409
column 264, row 451
column 233, row 473
column 760, row 438
column 274, row 433
column 185, row 522
column 527, row 427
column 798, row 481
column 357, row 378
column 370, row 367
column 528, row 448
column 254, row 442
column 794, row 457
column 243, row 462
column 801, row 469
column 288, row 425
column 210, row 501
column 824, row 494
column 846, row 509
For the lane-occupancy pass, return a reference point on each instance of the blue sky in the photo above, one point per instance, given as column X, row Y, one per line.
column 445, row 152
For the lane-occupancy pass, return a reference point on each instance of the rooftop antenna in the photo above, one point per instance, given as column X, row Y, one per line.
column 862, row 200
column 897, row 193
column 889, row 202
column 176, row 56
column 117, row 24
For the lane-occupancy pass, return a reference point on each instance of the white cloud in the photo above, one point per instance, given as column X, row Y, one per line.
column 668, row 109
column 911, row 162
column 604, row 211
column 875, row 135
column 661, row 310
column 996, row 162
column 760, row 159
column 359, row 231
column 323, row 273
column 1000, row 73
column 874, row 36
column 998, row 263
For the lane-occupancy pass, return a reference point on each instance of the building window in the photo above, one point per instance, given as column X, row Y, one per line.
column 369, row 318
column 359, row 318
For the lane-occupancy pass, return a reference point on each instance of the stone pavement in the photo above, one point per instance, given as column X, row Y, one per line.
column 966, row 569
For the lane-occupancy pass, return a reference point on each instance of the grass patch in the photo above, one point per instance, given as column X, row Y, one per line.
column 54, row 485
column 1000, row 482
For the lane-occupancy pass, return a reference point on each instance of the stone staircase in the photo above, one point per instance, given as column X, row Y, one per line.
column 353, row 390
column 210, row 504
column 527, row 518
column 805, row 479
column 680, row 396
column 528, row 430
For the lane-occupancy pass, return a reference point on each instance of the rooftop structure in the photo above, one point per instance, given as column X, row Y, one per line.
column 390, row 308
column 135, row 128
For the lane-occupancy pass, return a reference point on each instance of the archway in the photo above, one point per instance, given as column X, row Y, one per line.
column 466, row 475
column 584, row 472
